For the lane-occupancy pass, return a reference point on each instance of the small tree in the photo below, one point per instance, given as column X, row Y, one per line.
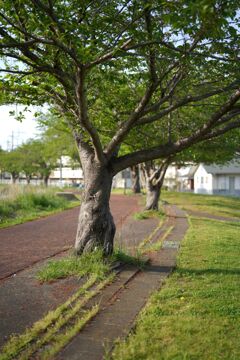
column 29, row 159
column 154, row 173
column 215, row 151
column 11, row 162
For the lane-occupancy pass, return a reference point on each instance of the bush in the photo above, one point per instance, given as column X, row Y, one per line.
column 25, row 201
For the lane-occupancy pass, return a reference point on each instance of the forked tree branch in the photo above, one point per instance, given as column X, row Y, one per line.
column 170, row 149
column 84, row 119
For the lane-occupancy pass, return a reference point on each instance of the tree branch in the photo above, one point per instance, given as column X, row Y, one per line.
column 109, row 55
column 216, row 133
column 167, row 150
column 84, row 119
column 124, row 129
column 188, row 99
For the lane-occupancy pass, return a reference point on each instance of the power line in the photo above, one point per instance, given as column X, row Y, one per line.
column 14, row 140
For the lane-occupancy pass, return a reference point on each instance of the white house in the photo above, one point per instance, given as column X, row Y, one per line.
column 179, row 178
column 217, row 179
column 122, row 179
column 68, row 173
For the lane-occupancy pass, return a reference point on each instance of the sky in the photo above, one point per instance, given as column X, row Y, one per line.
column 13, row 132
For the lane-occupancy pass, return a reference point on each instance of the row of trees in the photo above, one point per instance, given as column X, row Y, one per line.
column 120, row 72
column 38, row 157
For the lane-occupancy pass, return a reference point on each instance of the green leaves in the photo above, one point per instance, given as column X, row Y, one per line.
column 94, row 60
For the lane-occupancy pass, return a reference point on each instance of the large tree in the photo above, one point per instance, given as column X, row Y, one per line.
column 156, row 56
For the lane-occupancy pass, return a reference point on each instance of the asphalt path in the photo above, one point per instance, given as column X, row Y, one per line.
column 26, row 244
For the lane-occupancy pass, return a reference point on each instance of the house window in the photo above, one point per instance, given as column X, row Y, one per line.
column 222, row 183
column 202, row 179
column 206, row 179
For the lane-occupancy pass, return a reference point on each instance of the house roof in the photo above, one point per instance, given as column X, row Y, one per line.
column 230, row 168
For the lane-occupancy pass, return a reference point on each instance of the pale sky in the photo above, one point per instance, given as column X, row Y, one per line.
column 13, row 132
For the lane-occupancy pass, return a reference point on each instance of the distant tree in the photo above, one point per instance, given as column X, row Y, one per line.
column 11, row 162
column 154, row 174
column 135, row 177
column 55, row 131
column 29, row 159
column 43, row 157
column 214, row 151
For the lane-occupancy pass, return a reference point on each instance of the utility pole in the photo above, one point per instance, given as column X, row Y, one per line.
column 12, row 137
column 61, row 179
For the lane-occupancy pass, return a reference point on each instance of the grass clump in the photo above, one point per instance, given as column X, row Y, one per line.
column 148, row 214
column 199, row 304
column 125, row 258
column 87, row 264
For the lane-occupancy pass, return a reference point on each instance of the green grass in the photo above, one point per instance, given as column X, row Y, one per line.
column 24, row 203
column 125, row 258
column 196, row 315
column 121, row 191
column 87, row 264
column 147, row 214
column 216, row 205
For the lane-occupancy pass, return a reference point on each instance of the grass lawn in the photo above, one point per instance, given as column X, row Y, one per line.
column 196, row 315
column 19, row 204
column 217, row 205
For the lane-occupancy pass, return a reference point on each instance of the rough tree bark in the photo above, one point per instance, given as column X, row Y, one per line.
column 135, row 179
column 96, row 228
column 154, row 182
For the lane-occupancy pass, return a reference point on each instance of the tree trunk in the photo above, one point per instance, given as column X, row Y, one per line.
column 96, row 228
column 45, row 179
column 152, row 195
column 135, row 179
column 14, row 178
column 154, row 182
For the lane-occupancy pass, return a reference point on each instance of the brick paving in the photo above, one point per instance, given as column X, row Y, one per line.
column 23, row 300
column 25, row 244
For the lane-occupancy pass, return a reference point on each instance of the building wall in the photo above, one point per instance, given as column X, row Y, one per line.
column 67, row 173
column 219, row 184
column 222, row 184
column 203, row 182
column 177, row 179
column 122, row 180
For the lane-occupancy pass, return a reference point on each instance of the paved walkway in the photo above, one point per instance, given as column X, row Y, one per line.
column 121, row 302
column 23, row 300
column 25, row 244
